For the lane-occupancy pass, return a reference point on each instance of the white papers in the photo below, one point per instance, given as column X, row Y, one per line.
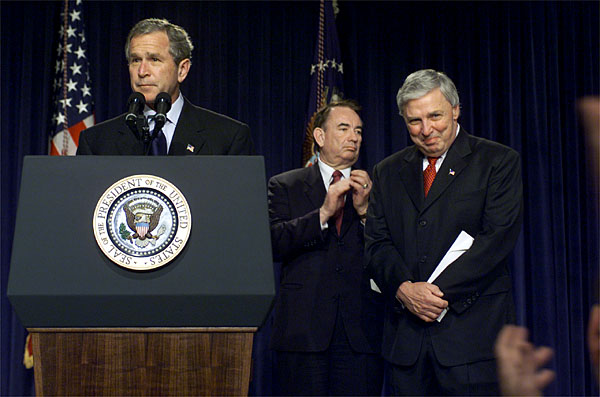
column 462, row 243
column 374, row 286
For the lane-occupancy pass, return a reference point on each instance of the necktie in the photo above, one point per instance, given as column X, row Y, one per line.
column 339, row 215
column 159, row 145
column 429, row 174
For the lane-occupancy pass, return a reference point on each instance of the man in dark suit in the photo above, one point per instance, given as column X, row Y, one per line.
column 326, row 326
column 423, row 197
column 159, row 58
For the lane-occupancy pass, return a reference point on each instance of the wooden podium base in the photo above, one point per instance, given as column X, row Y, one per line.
column 142, row 361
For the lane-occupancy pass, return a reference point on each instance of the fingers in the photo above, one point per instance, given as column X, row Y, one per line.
column 334, row 199
column 420, row 300
column 542, row 355
column 435, row 290
column 543, row 378
column 360, row 180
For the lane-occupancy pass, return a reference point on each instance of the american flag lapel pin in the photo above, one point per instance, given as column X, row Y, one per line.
column 452, row 172
column 190, row 148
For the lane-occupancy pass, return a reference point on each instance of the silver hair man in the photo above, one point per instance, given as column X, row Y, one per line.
column 421, row 82
column 180, row 45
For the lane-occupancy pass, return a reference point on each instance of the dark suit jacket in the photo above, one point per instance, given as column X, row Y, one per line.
column 320, row 270
column 478, row 189
column 206, row 133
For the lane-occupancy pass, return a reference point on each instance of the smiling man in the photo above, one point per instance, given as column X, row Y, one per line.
column 159, row 57
column 327, row 321
column 439, row 332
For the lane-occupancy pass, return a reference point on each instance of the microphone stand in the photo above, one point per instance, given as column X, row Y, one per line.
column 144, row 131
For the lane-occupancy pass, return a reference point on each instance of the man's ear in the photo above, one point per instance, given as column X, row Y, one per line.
column 183, row 70
column 455, row 112
column 319, row 135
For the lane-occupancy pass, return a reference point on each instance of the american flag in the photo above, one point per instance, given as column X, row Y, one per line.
column 326, row 82
column 73, row 104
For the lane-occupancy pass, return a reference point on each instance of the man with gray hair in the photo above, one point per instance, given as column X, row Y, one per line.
column 450, row 198
column 159, row 57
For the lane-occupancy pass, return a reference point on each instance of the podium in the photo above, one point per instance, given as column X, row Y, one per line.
column 185, row 328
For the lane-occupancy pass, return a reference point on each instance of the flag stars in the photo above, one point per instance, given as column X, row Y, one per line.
column 60, row 118
column 82, row 107
column 75, row 69
column 65, row 102
column 329, row 63
column 72, row 85
column 71, row 31
column 80, row 53
column 75, row 15
column 60, row 49
column 85, row 91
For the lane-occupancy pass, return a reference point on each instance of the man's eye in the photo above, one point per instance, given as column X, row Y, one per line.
column 436, row 116
column 155, row 59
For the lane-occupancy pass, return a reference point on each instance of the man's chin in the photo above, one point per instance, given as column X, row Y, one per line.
column 149, row 94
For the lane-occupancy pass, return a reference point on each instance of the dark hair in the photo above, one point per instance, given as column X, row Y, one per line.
column 180, row 45
column 323, row 114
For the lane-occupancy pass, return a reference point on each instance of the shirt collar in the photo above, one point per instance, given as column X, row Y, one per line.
column 327, row 173
column 173, row 113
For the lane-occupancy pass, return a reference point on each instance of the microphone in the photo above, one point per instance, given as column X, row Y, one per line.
column 162, row 105
column 135, row 104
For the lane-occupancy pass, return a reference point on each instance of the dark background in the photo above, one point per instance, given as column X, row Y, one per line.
column 519, row 68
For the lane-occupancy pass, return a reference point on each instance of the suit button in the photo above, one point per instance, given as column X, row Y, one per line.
column 338, row 269
column 423, row 259
column 469, row 301
column 423, row 222
column 340, row 242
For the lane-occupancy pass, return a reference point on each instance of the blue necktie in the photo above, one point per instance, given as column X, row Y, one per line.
column 159, row 145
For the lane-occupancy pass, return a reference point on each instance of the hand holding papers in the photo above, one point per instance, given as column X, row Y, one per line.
column 462, row 243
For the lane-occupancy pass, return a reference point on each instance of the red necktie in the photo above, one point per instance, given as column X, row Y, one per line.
column 339, row 215
column 429, row 174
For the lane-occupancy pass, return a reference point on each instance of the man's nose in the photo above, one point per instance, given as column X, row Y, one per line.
column 142, row 69
column 354, row 136
column 427, row 128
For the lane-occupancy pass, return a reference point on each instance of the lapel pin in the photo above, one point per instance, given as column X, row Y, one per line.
column 452, row 172
column 190, row 148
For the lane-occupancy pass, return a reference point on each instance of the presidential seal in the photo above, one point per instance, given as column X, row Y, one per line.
column 142, row 222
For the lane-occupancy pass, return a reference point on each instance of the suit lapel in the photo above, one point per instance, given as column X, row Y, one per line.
column 411, row 175
column 188, row 137
column 451, row 168
column 314, row 189
column 128, row 143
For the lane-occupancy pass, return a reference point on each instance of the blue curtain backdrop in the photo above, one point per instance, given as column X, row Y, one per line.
column 519, row 68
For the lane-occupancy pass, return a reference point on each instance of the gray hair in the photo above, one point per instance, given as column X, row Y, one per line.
column 421, row 82
column 180, row 45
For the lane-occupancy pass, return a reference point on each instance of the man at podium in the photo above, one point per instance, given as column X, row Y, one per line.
column 327, row 327
column 159, row 57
